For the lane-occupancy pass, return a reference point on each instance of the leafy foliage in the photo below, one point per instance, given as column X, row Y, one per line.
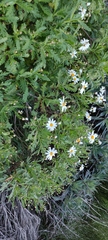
column 37, row 40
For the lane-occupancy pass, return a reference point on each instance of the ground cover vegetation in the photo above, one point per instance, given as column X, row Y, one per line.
column 53, row 104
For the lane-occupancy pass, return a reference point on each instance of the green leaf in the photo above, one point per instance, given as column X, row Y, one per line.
column 105, row 66
column 25, row 95
column 39, row 31
column 1, row 97
column 43, row 56
column 84, row 25
column 56, row 4
column 2, row 40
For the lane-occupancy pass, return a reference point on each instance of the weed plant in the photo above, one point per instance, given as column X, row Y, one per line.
column 53, row 101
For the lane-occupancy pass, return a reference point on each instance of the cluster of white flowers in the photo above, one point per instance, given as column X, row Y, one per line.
column 92, row 109
column 73, row 74
column 85, row 44
column 83, row 11
column 100, row 98
column 50, row 153
column 52, row 124
column 84, row 86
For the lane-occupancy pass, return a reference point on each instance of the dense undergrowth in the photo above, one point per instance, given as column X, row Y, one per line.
column 53, row 104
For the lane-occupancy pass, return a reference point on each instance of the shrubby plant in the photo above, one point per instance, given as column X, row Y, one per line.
column 53, row 69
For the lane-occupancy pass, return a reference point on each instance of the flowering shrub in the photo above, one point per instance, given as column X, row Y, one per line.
column 53, row 68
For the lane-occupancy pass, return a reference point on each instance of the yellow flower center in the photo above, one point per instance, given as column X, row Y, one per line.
column 71, row 150
column 78, row 140
column 72, row 74
column 51, row 124
column 51, row 154
column 63, row 104
column 92, row 137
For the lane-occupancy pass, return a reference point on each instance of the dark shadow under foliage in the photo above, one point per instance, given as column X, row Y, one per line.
column 16, row 222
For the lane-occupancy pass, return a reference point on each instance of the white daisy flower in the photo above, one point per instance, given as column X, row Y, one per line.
column 82, row 12
column 72, row 151
column 63, row 104
column 73, row 53
column 50, row 153
column 78, row 140
column 85, row 44
column 82, row 167
column 72, row 73
column 88, row 117
column 92, row 109
column 102, row 89
column 84, row 86
column 82, row 90
column 75, row 80
column 92, row 136
column 100, row 98
column 51, row 124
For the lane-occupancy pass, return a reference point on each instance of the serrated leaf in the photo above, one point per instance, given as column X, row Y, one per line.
column 2, row 60
column 46, row 10
column 25, row 6
column 45, row 78
column 11, row 66
column 40, row 30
